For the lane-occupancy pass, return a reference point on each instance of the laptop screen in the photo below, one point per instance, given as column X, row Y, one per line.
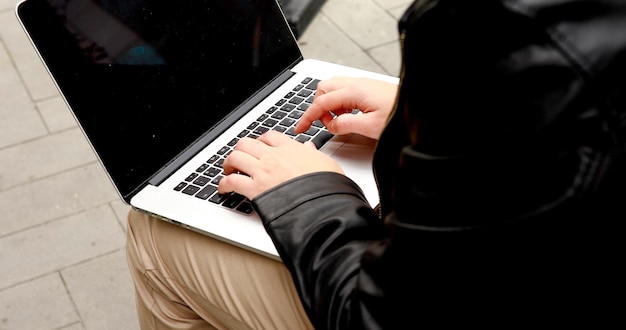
column 146, row 78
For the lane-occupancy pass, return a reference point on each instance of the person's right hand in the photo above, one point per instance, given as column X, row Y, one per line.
column 337, row 97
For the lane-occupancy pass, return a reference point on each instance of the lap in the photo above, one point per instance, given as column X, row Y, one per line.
column 218, row 281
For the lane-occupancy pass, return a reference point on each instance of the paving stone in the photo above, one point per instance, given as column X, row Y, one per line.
column 11, row 90
column 54, row 197
column 42, row 303
column 388, row 56
column 43, row 157
column 367, row 24
column 8, row 4
column 35, row 76
column 393, row 4
column 103, row 292
column 75, row 326
column 56, row 114
column 58, row 244
column 320, row 41
column 18, row 118
column 121, row 211
column 398, row 10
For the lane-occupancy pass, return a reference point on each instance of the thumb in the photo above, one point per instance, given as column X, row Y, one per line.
column 344, row 124
column 310, row 144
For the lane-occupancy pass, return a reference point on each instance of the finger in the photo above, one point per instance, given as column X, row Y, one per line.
column 242, row 184
column 304, row 124
column 319, row 109
column 348, row 123
column 274, row 139
column 254, row 147
column 313, row 113
column 240, row 161
column 338, row 102
column 342, row 97
column 310, row 144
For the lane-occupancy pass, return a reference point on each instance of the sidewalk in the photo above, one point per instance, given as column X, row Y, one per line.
column 62, row 230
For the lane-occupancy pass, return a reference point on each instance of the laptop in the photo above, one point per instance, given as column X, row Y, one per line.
column 163, row 90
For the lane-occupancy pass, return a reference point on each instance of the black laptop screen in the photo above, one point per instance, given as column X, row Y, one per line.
column 146, row 78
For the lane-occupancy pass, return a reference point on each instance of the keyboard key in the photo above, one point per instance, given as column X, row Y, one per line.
column 206, row 192
column 295, row 114
column 232, row 201
column 201, row 181
column 233, row 142
column 287, row 122
column 260, row 130
column 296, row 100
column 212, row 172
column 270, row 123
column 191, row 177
column 311, row 131
column 305, row 93
column 245, row 207
column 222, row 151
column 213, row 159
column 202, row 168
column 288, row 107
column 279, row 115
column 321, row 138
column 302, row 138
column 281, row 129
column 291, row 132
column 217, row 179
column 313, row 84
column 190, row 190
column 243, row 133
column 219, row 198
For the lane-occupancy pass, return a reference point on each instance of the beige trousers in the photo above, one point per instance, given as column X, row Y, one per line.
column 185, row 280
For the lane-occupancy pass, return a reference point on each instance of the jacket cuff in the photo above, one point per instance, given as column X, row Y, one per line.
column 293, row 193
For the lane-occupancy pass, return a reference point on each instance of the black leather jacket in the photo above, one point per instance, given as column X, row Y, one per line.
column 501, row 175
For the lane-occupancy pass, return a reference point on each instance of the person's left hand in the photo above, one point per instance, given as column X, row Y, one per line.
column 269, row 160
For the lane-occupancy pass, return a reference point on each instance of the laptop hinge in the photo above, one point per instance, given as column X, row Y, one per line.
column 203, row 141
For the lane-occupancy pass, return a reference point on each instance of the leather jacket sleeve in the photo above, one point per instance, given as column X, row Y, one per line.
column 500, row 175
column 321, row 225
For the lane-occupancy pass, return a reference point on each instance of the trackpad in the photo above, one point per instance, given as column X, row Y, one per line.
column 354, row 153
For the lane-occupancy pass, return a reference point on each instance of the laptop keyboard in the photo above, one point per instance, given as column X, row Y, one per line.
column 282, row 117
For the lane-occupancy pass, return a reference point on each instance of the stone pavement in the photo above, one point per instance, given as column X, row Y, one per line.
column 62, row 226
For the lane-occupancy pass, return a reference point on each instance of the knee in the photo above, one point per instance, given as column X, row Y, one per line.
column 144, row 241
column 136, row 229
column 134, row 218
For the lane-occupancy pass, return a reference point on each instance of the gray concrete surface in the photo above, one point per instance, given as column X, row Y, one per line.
column 62, row 225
